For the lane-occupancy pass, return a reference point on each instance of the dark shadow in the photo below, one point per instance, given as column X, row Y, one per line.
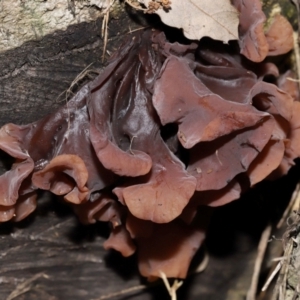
column 126, row 268
column 6, row 162
column 80, row 234
column 152, row 20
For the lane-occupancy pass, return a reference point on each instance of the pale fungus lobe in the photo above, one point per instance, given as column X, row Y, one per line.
column 279, row 36
column 164, row 132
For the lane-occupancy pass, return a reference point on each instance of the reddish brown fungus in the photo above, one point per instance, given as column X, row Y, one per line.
column 178, row 242
column 228, row 156
column 120, row 240
column 252, row 40
column 201, row 115
column 57, row 177
column 114, row 152
column 280, row 36
column 25, row 206
column 163, row 196
column 10, row 182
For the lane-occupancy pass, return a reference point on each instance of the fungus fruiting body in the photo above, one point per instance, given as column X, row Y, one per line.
column 164, row 131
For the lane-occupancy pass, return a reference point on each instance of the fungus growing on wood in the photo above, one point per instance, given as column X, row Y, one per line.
column 164, row 129
column 252, row 40
column 279, row 36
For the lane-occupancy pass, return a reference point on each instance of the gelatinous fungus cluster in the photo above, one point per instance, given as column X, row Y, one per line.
column 165, row 131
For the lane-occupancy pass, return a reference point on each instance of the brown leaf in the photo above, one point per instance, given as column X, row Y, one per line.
column 198, row 18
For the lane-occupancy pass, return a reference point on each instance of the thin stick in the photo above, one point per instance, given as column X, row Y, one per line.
column 131, row 141
column 104, row 33
column 278, row 290
column 203, row 263
column 25, row 286
column 271, row 277
column 137, row 29
column 293, row 79
column 292, row 203
column 123, row 292
column 284, row 257
column 262, row 246
column 297, row 54
column 104, row 30
column 283, row 285
column 171, row 289
column 80, row 76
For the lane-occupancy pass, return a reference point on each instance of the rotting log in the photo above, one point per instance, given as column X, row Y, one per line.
column 50, row 255
column 34, row 75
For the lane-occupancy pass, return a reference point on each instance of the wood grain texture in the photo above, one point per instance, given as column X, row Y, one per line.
column 66, row 260
column 34, row 75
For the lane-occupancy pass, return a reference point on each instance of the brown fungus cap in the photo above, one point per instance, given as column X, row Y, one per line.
column 6, row 213
column 10, row 182
column 252, row 40
column 64, row 175
column 161, row 197
column 201, row 115
column 163, row 132
column 120, row 240
column 169, row 249
column 25, row 206
column 105, row 209
column 292, row 142
column 228, row 156
column 280, row 36
column 111, row 149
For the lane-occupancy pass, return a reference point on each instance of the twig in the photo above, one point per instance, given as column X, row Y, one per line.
column 25, row 286
column 171, row 289
column 80, row 76
column 278, row 290
column 270, row 278
column 131, row 141
column 49, row 229
column 282, row 265
column 297, row 55
column 293, row 79
column 262, row 246
column 203, row 264
column 295, row 199
column 137, row 29
column 104, row 33
column 104, row 30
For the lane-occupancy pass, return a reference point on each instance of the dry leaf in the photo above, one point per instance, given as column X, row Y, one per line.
column 199, row 18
